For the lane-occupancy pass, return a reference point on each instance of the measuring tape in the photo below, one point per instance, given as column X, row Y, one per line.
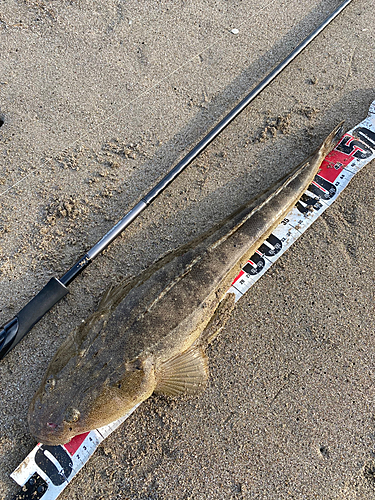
column 48, row 470
column 355, row 149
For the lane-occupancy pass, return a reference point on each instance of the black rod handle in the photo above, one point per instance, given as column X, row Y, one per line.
column 13, row 331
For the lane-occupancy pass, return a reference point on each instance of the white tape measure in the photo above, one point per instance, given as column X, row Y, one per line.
column 47, row 470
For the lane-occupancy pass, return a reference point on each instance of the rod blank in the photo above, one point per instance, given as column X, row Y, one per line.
column 14, row 330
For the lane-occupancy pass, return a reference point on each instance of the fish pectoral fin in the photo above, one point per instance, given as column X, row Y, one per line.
column 186, row 373
column 219, row 318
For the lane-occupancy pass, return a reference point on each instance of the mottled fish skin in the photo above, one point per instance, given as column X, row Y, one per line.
column 149, row 334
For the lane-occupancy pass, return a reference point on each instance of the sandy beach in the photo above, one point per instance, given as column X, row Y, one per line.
column 98, row 101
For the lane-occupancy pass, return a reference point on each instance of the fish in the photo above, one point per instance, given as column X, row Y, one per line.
column 150, row 333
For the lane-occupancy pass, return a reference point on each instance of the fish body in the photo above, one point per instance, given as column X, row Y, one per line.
column 150, row 334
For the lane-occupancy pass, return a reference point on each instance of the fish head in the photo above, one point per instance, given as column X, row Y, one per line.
column 86, row 394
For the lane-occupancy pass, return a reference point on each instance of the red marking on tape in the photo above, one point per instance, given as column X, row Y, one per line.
column 319, row 186
column 75, row 443
column 335, row 162
column 241, row 273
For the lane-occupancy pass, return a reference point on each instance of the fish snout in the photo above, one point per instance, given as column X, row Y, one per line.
column 53, row 428
column 49, row 433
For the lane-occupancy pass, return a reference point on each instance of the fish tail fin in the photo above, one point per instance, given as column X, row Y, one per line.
column 332, row 139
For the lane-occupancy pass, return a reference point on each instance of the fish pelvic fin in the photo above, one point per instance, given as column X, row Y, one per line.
column 184, row 374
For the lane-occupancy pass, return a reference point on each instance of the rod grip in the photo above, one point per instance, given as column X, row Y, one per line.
column 13, row 331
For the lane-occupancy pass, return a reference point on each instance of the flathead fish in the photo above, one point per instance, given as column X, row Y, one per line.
column 149, row 334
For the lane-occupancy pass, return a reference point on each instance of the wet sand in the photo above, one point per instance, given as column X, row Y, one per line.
column 99, row 100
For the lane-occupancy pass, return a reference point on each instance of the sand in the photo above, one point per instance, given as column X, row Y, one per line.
column 99, row 100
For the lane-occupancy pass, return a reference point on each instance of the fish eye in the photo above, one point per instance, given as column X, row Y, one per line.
column 134, row 365
column 138, row 364
column 50, row 383
column 72, row 415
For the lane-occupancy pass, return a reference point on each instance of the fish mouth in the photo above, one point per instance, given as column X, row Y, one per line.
column 53, row 441
column 50, row 436
column 51, row 433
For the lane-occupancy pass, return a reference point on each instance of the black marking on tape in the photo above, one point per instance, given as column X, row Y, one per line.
column 353, row 147
column 255, row 265
column 274, row 246
column 33, row 489
column 57, row 477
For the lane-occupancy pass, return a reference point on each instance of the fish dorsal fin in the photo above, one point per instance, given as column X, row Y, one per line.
column 186, row 373
column 114, row 293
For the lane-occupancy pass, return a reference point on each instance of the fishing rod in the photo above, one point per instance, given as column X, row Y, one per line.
column 14, row 330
